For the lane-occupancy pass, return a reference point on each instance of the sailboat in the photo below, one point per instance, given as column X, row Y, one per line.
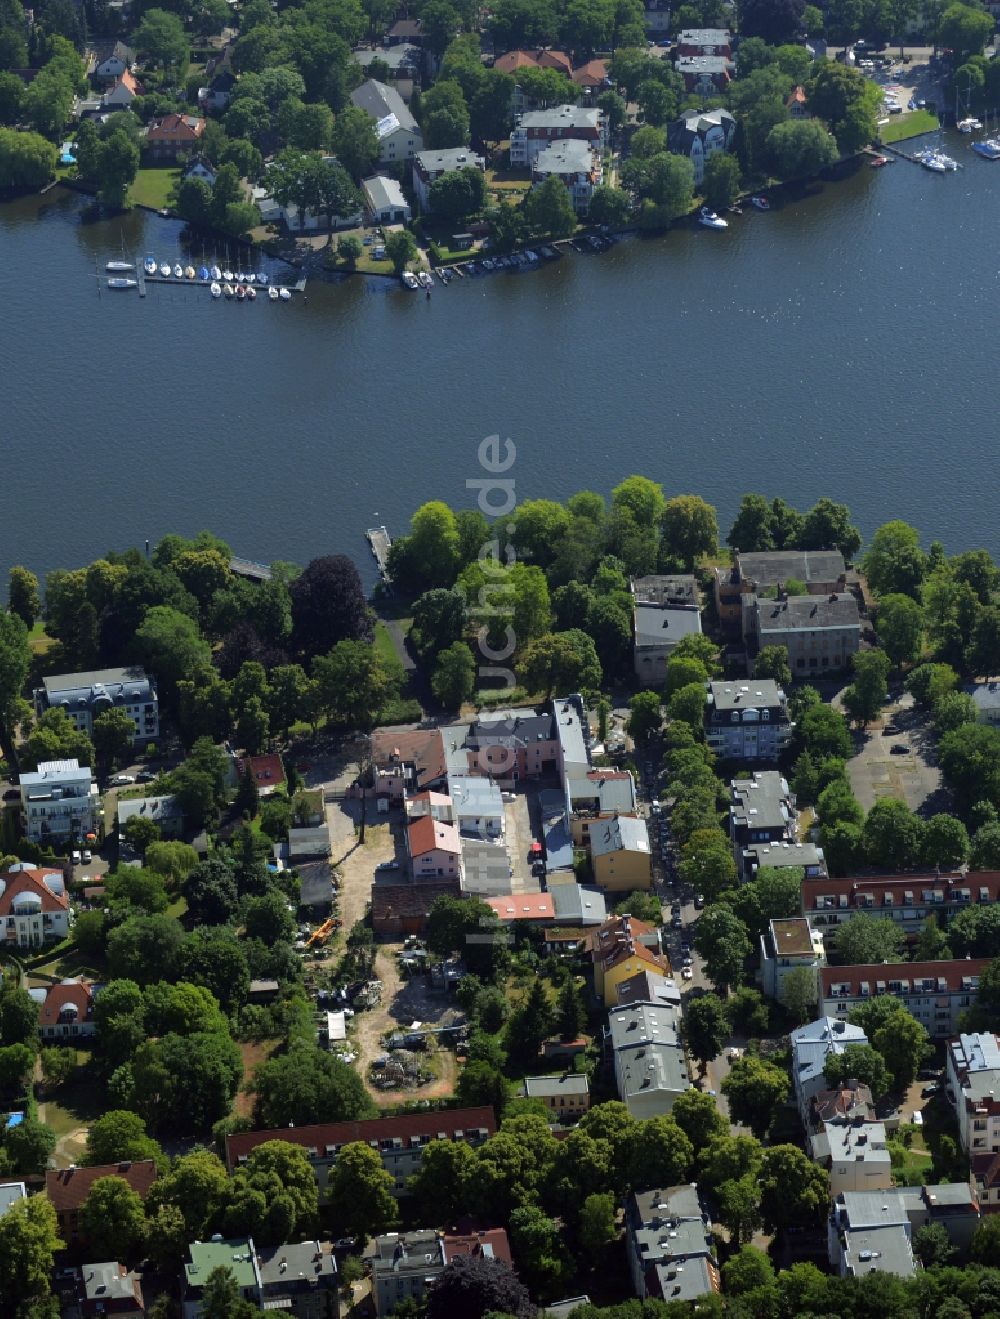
column 216, row 289
column 119, row 267
column 272, row 293
column 216, row 274
column 165, row 270
column 149, row 265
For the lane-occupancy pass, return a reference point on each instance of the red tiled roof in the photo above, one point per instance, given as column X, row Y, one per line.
column 953, row 972
column 524, row 907
column 472, row 1243
column 592, row 74
column 555, row 59
column 267, row 770
column 515, row 59
column 175, row 128
column 614, row 928
column 798, row 96
column 856, row 888
column 428, row 834
column 423, row 748
column 404, row 1127
column 31, row 881
column 78, row 993
column 67, row 1188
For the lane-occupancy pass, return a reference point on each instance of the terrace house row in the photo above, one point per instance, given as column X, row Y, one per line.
column 936, row 993
column 906, row 899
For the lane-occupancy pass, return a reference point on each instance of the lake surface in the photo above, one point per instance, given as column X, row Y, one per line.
column 843, row 345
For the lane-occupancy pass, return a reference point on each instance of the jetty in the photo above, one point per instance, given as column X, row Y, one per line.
column 254, row 572
column 379, row 542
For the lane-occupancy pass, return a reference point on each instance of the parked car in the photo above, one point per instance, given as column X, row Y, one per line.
column 75, row 857
column 87, row 856
column 687, row 974
column 930, row 1091
column 122, row 780
column 899, row 749
column 676, row 923
column 699, row 901
column 145, row 776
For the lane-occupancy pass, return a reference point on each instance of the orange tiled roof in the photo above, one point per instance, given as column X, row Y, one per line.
column 30, row 881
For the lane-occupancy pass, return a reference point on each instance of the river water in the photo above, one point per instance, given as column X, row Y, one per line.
column 844, row 344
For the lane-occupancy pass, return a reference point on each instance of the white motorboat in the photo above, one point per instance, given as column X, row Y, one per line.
column 988, row 148
column 272, row 293
column 241, row 293
column 117, row 282
column 760, row 203
column 251, row 292
column 969, row 125
column 216, row 274
column 284, row 295
column 251, row 278
column 425, row 278
column 216, row 289
column 410, row 280
column 119, row 267
column 710, row 220
column 149, row 265
column 262, row 278
column 936, row 161
column 227, row 275
column 227, row 289
column 178, row 271
column 189, row 272
column 165, row 270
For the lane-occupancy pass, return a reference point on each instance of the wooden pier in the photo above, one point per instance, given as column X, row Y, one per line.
column 379, row 542
column 254, row 572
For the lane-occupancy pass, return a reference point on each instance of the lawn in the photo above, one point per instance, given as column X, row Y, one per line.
column 911, row 1165
column 386, row 651
column 39, row 640
column 907, row 125
column 153, row 187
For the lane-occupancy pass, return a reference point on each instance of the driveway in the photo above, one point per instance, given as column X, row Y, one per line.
column 520, row 835
column 911, row 775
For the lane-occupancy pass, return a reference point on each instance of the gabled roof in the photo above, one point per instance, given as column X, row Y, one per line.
column 592, row 74
column 382, row 102
column 67, row 1188
column 942, row 977
column 524, row 907
column 423, row 748
column 427, row 835
column 624, row 833
column 491, row 1244
column 176, row 128
column 47, row 885
column 76, row 996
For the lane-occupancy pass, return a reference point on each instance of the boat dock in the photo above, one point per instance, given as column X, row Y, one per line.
column 904, row 155
column 254, row 572
column 379, row 542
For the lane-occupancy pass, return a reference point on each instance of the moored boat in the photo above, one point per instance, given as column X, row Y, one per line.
column 118, row 282
column 119, row 267
column 262, row 278
column 241, row 293
column 284, row 295
column 149, row 265
column 251, row 292
column 203, row 274
column 272, row 293
column 165, row 270
column 227, row 289
column 216, row 274
column 216, row 289
column 879, row 162
column 410, row 280
column 710, row 220
column 969, row 125
column 228, row 276
column 760, row 203
column 988, row 148
column 425, row 278
column 178, row 271
column 189, row 272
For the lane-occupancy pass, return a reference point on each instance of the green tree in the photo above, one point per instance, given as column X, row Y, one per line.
column 221, row 1297
column 645, row 716
column 58, row 1065
column 15, row 660
column 800, row 993
column 530, row 1024
column 945, row 843
column 305, row 1084
column 113, row 732
column 18, row 1016
column 753, row 529
column 858, row 1062
column 904, row 1044
column 800, row 148
column 539, row 1250
column 440, row 1186
column 687, row 705
column 598, row 1227
column 352, row 682
column 964, row 30
column 120, row 1136
column 454, row 677
column 47, row 104
column 571, row 1015
column 22, row 591
column 739, row 1208
column 29, row 1239
column 113, row 1218
column 893, row 835
column 900, row 628
column 690, row 529
column 756, row 1090
column 794, row 1190
column 721, row 185
column 160, row 39
column 698, row 1117
column 747, row 1271
column 707, row 865
column 721, row 939
column 894, row 563
column 28, row 1148
column 548, row 210
column 864, row 698
column 864, row 940
column 360, row 1190
column 706, row 1028
column 400, row 248
column 772, row 662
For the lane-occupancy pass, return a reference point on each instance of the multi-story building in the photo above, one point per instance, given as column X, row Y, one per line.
column 620, row 854
column 398, row 133
column 59, row 802
column 699, row 134
column 66, row 1010
column 34, row 908
column 68, row 1188
column 400, row 1141
column 538, row 129
column 820, row 634
column 986, row 696
column 765, row 573
column 906, row 899
column 667, row 589
column 784, row 855
column 648, row 1057
column 706, row 75
column 623, row 947
column 407, row 762
column 854, row 1154
column 435, row 848
column 668, row 1235
column 812, row 1045
column 762, row 810
column 872, row 1232
column 936, row 993
column 747, row 720
column 299, row 1278
column 405, row 1264
column 204, row 1257
column 565, row 1094
column 103, row 1289
column 974, row 1081
column 657, row 630
column 598, row 794
column 430, row 165
column 789, row 945
column 575, row 164
column 704, row 41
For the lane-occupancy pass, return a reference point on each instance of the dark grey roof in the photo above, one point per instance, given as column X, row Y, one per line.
column 753, row 694
column 666, row 588
column 97, row 687
column 575, row 905
column 106, row 1282
column 296, row 1265
column 379, row 100
column 308, row 843
column 408, row 1253
column 768, row 568
column 883, row 1249
column 665, row 625
column 485, row 867
column 799, row 613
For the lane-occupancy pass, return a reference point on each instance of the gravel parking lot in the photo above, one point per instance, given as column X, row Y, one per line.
column 877, row 771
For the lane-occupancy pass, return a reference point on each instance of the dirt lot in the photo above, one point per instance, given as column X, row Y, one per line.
column 253, row 1055
column 404, row 1002
column 356, row 863
column 910, row 775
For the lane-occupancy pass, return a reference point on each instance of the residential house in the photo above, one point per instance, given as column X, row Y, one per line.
column 217, row 94
column 165, row 812
column 34, row 908
column 122, row 93
column 986, row 696
column 651, row 987
column 812, row 1045
column 405, row 65
column 309, row 851
column 789, row 945
column 174, row 135
column 66, row 1010
column 204, row 1257
column 405, row 1264
column 592, row 77
column 797, row 104
column 477, row 807
column 398, row 133
column 784, row 855
column 266, row 770
column 656, row 18
column 524, row 909
column 820, row 635
column 854, row 1155
column 985, row 1181
column 623, row 947
column 299, row 1278
column 598, row 794
column 199, row 169
column 437, row 805
column 974, row 1080
column 538, row 129
column 407, row 762
column 761, row 810
column 120, row 60
column 620, row 854
column 108, row 1288
column 58, row 802
column 657, row 629
column 507, row 745
column 936, row 993
column 667, row 589
column 872, row 1232
column 434, row 848
column 534, row 59
column 578, row 906
column 430, row 165
column 486, row 868
column 575, row 164
column 704, row 41
column 821, row 572
column 384, row 200
column 849, row 1102
column 11, row 1193
column 67, row 1188
column 906, row 899
column 565, row 1094
column 400, row 1140
column 699, row 134
column 668, row 1236
column 644, row 1041
column 705, row 75
column 83, row 696
column 747, row 721
column 405, row 31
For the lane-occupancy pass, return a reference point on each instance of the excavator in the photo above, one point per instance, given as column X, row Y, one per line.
column 323, row 932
